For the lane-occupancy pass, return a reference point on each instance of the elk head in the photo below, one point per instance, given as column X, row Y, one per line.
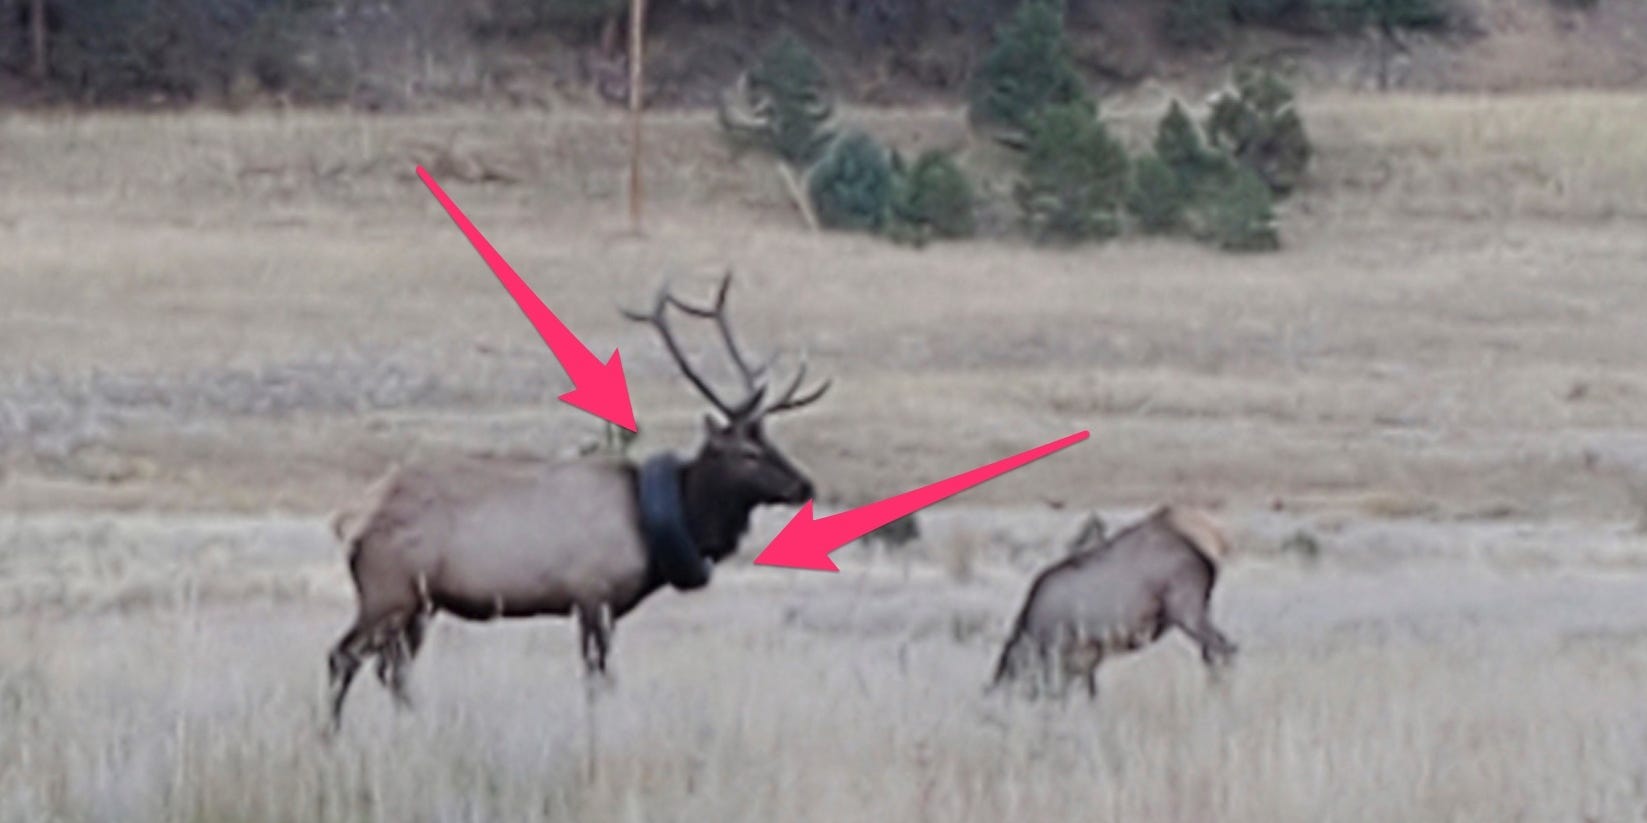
column 736, row 464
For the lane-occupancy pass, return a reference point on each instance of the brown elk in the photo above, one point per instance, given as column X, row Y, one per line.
column 589, row 537
column 1117, row 595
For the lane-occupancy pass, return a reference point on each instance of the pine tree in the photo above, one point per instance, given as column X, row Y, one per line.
column 1178, row 143
column 1028, row 69
column 1074, row 177
column 931, row 197
column 782, row 104
column 1257, row 123
column 1158, row 196
column 851, row 187
column 1237, row 214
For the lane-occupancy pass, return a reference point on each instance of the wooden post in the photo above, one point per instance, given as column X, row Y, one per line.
column 37, row 28
column 637, row 52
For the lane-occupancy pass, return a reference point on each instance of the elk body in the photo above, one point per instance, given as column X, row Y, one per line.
column 1118, row 595
column 588, row 537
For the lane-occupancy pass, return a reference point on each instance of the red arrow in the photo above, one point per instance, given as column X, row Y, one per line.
column 806, row 543
column 599, row 388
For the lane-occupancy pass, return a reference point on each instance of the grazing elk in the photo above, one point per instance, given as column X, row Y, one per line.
column 588, row 537
column 1118, row 595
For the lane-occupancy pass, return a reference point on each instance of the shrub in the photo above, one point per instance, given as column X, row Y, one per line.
column 851, row 187
column 1236, row 213
column 551, row 12
column 931, row 197
column 1385, row 14
column 1384, row 18
column 782, row 104
column 288, row 51
column 1197, row 23
column 1257, row 124
column 1178, row 143
column 895, row 534
column 1028, row 69
column 1268, row 12
column 107, row 50
column 1074, row 175
column 1158, row 195
column 518, row 18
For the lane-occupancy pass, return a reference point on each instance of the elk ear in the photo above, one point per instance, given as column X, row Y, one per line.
column 710, row 427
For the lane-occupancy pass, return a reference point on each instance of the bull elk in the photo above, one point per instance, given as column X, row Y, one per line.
column 587, row 537
column 1117, row 595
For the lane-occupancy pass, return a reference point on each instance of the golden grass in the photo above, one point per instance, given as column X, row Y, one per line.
column 1572, row 154
column 209, row 714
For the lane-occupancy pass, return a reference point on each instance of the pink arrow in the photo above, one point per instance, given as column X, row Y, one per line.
column 806, row 543
column 599, row 388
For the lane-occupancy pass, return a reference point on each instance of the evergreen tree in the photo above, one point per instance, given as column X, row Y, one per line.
column 1178, row 143
column 1028, row 69
column 1236, row 214
column 1257, row 123
column 1074, row 175
column 782, row 104
column 851, row 187
column 931, row 197
column 1158, row 196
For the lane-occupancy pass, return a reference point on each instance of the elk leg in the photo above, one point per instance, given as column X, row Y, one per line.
column 1047, row 680
column 603, row 638
column 396, row 656
column 387, row 648
column 1086, row 670
column 595, row 633
column 1187, row 610
column 1059, row 672
column 343, row 663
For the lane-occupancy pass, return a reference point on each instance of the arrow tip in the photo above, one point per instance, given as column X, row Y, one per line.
column 800, row 545
column 603, row 392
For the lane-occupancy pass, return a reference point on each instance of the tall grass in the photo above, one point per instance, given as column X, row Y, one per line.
column 817, row 698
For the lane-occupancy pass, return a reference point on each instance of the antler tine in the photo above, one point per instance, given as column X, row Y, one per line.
column 642, row 316
column 717, row 312
column 788, row 400
column 659, row 320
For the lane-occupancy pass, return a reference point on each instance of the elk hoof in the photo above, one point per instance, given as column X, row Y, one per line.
column 600, row 683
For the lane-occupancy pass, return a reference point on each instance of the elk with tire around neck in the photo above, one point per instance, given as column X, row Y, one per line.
column 588, row 538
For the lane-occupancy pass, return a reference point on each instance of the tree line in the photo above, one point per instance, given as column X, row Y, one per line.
column 101, row 51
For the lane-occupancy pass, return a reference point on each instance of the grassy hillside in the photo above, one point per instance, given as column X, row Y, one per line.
column 415, row 53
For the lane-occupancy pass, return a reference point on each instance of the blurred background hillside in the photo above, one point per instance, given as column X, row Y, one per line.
column 399, row 54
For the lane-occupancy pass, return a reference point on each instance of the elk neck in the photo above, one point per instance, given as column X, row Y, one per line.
column 716, row 517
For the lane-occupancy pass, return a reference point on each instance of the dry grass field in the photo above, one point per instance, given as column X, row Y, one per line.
column 215, row 328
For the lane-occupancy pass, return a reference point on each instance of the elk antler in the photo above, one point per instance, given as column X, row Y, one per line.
column 717, row 312
column 788, row 400
column 749, row 409
column 658, row 318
